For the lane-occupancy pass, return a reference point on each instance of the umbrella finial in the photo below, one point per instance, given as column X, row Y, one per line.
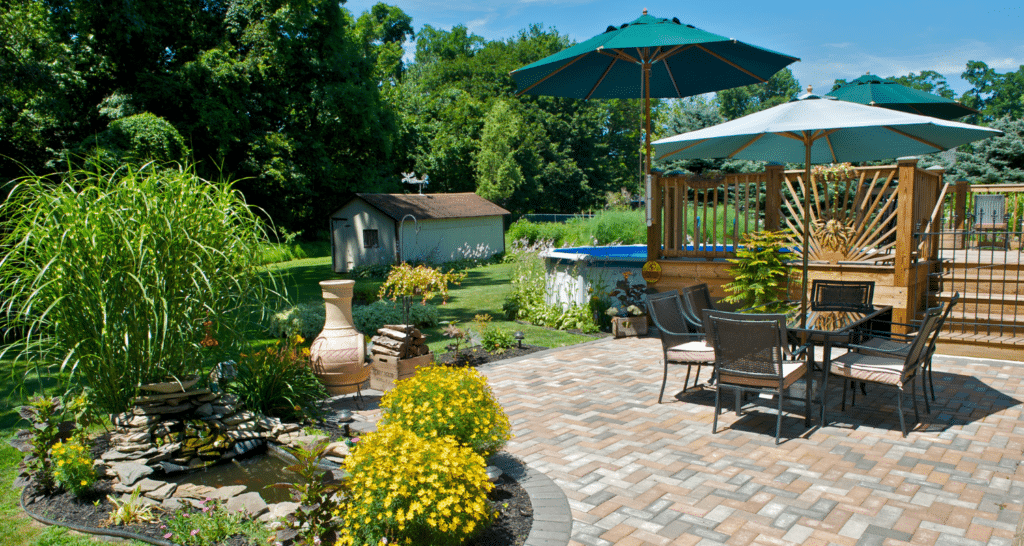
column 645, row 11
column 809, row 89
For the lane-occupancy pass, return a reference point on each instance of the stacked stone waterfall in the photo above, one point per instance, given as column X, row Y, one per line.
column 186, row 430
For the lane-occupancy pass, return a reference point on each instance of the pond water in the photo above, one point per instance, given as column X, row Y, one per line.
column 257, row 472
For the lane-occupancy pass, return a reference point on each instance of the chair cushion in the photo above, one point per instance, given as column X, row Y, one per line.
column 791, row 371
column 870, row 368
column 692, row 352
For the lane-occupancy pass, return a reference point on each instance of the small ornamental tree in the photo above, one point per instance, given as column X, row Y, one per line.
column 762, row 273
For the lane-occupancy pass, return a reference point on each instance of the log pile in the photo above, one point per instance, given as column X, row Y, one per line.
column 399, row 341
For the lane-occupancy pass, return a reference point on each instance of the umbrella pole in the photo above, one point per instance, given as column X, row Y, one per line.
column 647, row 142
column 807, row 225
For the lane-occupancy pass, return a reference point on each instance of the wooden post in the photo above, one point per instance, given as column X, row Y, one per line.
column 773, row 196
column 934, row 240
column 654, row 230
column 903, row 276
column 960, row 213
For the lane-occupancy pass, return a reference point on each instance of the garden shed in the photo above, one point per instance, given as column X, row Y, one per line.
column 386, row 228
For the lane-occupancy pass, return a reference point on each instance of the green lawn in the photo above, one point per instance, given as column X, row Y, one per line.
column 482, row 292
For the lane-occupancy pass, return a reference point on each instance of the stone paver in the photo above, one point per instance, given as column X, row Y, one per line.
column 638, row 472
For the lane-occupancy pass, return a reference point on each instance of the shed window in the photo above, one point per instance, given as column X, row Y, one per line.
column 370, row 239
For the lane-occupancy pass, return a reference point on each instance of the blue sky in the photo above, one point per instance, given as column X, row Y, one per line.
column 832, row 39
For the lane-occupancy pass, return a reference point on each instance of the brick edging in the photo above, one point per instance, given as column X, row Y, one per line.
column 552, row 518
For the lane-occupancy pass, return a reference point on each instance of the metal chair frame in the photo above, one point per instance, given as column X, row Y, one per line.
column 830, row 295
column 752, row 355
column 667, row 314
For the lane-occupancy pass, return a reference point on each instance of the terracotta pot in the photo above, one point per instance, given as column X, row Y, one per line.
column 338, row 354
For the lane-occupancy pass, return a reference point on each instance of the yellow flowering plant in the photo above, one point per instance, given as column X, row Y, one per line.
column 454, row 402
column 72, row 465
column 406, row 489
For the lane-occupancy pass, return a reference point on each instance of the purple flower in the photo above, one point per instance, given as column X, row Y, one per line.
column 168, row 535
column 194, row 532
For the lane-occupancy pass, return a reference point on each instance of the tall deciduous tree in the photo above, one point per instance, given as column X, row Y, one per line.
column 994, row 95
column 741, row 101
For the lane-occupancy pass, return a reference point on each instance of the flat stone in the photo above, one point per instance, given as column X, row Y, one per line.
column 146, row 485
column 279, row 511
column 247, row 425
column 362, row 427
column 250, row 503
column 205, row 410
column 337, row 449
column 137, row 421
column 224, row 409
column 285, row 428
column 168, row 409
column 335, row 460
column 163, row 492
column 242, row 435
column 268, row 423
column 192, row 491
column 133, row 448
column 129, row 473
column 240, row 417
column 130, row 438
column 113, row 455
column 228, row 491
column 207, row 397
column 173, row 504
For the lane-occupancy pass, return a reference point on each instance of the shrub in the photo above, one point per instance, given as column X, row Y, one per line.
column 43, row 415
column 112, row 273
column 72, row 465
column 456, row 402
column 278, row 381
column 413, row 490
column 761, row 273
column 493, row 339
column 371, row 271
column 369, row 318
column 304, row 319
column 212, row 524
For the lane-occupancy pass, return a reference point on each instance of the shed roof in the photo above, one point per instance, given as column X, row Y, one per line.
column 432, row 205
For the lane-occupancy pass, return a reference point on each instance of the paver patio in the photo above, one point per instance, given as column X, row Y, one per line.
column 638, row 472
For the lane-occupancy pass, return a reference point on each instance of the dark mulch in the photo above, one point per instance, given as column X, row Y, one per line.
column 477, row 356
column 509, row 500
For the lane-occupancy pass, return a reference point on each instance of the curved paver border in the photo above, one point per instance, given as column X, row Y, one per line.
column 552, row 519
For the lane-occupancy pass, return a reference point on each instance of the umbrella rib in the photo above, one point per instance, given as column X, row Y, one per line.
column 672, row 52
column 618, row 54
column 672, row 79
column 542, row 80
column 663, row 156
column 730, row 63
column 831, row 150
column 744, row 147
column 601, row 79
column 912, row 137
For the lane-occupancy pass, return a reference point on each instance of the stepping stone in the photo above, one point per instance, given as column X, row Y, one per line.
column 251, row 503
column 130, row 473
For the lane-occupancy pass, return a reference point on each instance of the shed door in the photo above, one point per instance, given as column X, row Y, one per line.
column 339, row 259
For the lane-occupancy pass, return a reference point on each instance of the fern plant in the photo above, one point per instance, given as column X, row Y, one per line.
column 761, row 274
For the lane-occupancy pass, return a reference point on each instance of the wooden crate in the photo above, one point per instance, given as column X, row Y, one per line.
column 385, row 370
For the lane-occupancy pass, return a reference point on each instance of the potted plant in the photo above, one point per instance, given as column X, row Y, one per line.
column 629, row 316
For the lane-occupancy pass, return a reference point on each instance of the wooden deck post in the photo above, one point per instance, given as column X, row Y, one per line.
column 654, row 230
column 903, row 276
column 773, row 196
column 960, row 213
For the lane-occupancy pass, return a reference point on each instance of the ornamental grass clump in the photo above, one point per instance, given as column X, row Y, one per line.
column 111, row 273
column 453, row 402
column 407, row 489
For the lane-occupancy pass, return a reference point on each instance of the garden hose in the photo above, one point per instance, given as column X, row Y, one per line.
column 92, row 530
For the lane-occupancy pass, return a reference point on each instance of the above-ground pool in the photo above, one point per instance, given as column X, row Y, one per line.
column 573, row 272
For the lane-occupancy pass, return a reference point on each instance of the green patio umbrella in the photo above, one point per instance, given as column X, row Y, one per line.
column 875, row 91
column 649, row 57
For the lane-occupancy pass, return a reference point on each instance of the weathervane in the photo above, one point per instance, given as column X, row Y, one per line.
column 410, row 178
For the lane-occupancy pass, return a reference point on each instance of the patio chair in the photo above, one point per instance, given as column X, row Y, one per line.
column 752, row 355
column 899, row 344
column 990, row 216
column 680, row 344
column 696, row 299
column 829, row 295
column 895, row 370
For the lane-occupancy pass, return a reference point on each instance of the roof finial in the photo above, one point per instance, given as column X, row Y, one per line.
column 645, row 11
column 809, row 89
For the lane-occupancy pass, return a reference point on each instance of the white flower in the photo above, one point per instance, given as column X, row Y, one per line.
column 634, row 310
column 612, row 311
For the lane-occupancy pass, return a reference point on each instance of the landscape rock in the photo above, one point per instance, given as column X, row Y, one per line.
column 163, row 492
column 226, row 492
column 129, row 473
column 251, row 503
column 192, row 491
column 279, row 511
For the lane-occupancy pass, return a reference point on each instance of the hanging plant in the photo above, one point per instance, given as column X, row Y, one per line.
column 833, row 172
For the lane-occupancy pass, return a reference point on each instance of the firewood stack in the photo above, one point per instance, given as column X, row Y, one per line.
column 399, row 341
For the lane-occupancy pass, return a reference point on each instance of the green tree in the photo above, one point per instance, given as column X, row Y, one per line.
column 137, row 139
column 741, row 101
column 993, row 160
column 994, row 95
column 384, row 30
column 497, row 168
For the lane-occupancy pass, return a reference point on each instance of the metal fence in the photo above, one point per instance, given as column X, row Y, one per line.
column 986, row 266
